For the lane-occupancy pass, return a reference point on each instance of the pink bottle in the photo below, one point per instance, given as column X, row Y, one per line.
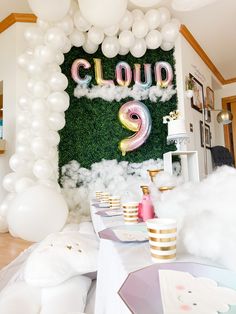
column 145, row 208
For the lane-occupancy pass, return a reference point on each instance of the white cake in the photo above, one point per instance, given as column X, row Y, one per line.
column 176, row 127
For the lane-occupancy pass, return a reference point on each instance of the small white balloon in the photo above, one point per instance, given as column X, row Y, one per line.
column 50, row 184
column 170, row 32
column 23, row 119
column 53, row 138
column 140, row 28
column 67, row 46
column 66, row 24
column 176, row 21
column 23, row 184
column 123, row 51
column 153, row 18
column 53, row 67
column 45, row 54
column 23, row 136
column 23, row 60
column 50, row 10
column 9, row 181
column 55, row 38
column 145, row 3
column 126, row 39
column 126, row 21
column 56, row 121
column 137, row 14
column 44, row 25
column 58, row 82
column 95, row 35
column 24, row 151
column 103, row 13
column 80, row 22
column 164, row 15
column 40, row 147
column 36, row 69
column 24, row 102
column 167, row 46
column 39, row 125
column 16, row 162
column 139, row 48
column 34, row 36
column 89, row 47
column 33, row 217
column 58, row 101
column 40, row 89
column 110, row 47
column 153, row 39
column 111, row 30
column 77, row 38
column 60, row 58
column 39, row 106
column 42, row 169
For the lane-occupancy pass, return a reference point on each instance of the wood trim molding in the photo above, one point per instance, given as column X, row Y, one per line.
column 202, row 54
column 16, row 17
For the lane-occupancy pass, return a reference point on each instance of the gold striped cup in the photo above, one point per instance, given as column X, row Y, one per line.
column 114, row 202
column 98, row 195
column 105, row 197
column 162, row 235
column 130, row 213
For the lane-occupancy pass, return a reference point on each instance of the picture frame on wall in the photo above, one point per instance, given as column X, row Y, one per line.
column 197, row 101
column 210, row 98
column 207, row 135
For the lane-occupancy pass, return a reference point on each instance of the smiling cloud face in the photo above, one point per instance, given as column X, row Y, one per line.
column 182, row 293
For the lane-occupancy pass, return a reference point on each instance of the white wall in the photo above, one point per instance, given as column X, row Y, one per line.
column 188, row 61
column 12, row 44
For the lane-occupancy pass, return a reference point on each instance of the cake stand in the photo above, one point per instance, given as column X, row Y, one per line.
column 178, row 139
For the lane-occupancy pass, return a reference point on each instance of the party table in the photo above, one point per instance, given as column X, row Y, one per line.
column 116, row 261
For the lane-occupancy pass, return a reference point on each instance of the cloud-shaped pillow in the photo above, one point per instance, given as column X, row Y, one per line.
column 61, row 256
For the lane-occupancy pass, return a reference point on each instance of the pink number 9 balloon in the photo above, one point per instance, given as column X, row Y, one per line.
column 134, row 116
column 158, row 75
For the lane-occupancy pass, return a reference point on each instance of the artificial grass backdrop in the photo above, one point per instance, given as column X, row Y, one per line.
column 93, row 131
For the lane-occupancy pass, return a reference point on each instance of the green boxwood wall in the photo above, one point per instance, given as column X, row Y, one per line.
column 93, row 131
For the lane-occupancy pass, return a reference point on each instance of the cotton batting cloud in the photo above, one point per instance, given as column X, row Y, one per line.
column 206, row 216
column 117, row 93
column 118, row 178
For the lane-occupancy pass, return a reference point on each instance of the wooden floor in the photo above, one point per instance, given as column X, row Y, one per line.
column 10, row 248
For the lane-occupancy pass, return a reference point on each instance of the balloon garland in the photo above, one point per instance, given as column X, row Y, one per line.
column 41, row 108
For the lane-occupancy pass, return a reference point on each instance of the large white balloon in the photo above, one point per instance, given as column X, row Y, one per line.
column 153, row 39
column 95, row 35
column 145, row 3
column 126, row 39
column 170, row 32
column 50, row 10
column 37, row 212
column 42, row 169
column 58, row 101
column 139, row 48
column 103, row 13
column 140, row 28
column 110, row 47
column 153, row 18
column 186, row 5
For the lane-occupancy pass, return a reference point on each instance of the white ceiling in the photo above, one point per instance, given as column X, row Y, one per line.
column 213, row 27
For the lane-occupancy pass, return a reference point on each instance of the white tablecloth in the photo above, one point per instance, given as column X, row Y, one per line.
column 116, row 261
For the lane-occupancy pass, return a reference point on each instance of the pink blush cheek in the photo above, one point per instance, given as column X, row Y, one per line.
column 179, row 287
column 185, row 307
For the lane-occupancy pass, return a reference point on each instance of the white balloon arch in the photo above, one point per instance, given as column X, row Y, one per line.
column 34, row 193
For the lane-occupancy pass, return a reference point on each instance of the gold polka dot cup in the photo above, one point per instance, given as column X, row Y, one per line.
column 114, row 202
column 130, row 213
column 162, row 235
